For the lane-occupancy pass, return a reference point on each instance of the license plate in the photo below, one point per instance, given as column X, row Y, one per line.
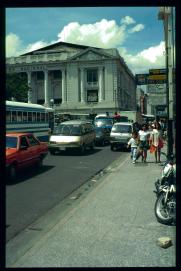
column 62, row 148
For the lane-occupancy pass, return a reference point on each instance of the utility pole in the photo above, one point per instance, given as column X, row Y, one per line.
column 166, row 14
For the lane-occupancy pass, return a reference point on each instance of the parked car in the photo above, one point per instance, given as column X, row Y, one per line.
column 102, row 135
column 73, row 134
column 104, row 122
column 23, row 150
column 120, row 134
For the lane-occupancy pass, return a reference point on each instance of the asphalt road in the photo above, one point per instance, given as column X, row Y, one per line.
column 35, row 192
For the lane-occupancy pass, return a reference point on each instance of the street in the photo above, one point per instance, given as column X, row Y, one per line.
column 36, row 192
column 111, row 225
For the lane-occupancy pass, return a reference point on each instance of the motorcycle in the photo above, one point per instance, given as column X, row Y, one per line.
column 165, row 205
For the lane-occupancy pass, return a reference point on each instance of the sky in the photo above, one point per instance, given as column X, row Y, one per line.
column 135, row 31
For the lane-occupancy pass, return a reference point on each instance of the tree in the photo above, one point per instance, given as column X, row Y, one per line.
column 17, row 87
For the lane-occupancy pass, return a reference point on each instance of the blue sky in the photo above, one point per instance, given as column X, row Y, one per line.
column 135, row 31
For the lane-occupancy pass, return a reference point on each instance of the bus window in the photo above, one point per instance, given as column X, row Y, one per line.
column 14, row 116
column 29, row 116
column 25, row 117
column 8, row 116
column 34, row 117
column 42, row 117
column 38, row 117
column 19, row 117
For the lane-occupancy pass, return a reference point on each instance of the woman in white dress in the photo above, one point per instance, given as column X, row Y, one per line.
column 157, row 141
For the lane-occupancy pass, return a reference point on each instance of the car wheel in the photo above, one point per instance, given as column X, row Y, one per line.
column 52, row 152
column 82, row 149
column 112, row 148
column 12, row 173
column 40, row 162
column 92, row 145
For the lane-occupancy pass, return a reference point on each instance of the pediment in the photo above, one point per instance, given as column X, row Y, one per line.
column 90, row 54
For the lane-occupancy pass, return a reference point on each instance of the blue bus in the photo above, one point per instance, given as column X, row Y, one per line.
column 28, row 117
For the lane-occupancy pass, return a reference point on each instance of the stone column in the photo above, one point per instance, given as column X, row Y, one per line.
column 100, row 84
column 82, row 91
column 63, row 86
column 46, row 93
column 29, row 87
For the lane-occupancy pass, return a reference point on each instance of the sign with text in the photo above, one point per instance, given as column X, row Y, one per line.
column 141, row 79
column 157, row 71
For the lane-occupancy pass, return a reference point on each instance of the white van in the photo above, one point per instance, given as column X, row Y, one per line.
column 121, row 133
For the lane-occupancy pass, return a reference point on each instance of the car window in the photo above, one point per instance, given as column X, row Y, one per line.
column 11, row 142
column 32, row 140
column 122, row 129
column 101, row 122
column 69, row 130
column 23, row 142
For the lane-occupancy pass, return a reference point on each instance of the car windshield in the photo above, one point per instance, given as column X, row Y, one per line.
column 11, row 142
column 121, row 129
column 101, row 122
column 69, row 130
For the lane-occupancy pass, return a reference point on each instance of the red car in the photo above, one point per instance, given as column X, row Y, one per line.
column 23, row 150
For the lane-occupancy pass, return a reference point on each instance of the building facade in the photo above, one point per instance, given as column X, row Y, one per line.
column 77, row 78
column 156, row 101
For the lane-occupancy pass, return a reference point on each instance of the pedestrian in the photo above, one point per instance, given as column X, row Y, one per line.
column 156, row 141
column 133, row 142
column 143, row 136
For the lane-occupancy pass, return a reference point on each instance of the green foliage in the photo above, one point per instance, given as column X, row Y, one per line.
column 17, row 87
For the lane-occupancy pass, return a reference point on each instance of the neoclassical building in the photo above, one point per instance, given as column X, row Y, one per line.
column 77, row 78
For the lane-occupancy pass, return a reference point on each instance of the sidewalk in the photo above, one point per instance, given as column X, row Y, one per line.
column 113, row 226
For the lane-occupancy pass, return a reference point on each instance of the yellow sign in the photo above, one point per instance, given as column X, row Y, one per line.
column 157, row 77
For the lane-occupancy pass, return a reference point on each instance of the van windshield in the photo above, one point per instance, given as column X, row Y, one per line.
column 122, row 129
column 69, row 130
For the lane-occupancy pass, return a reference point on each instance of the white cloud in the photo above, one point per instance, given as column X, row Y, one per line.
column 35, row 46
column 127, row 20
column 103, row 34
column 15, row 47
column 136, row 28
column 150, row 58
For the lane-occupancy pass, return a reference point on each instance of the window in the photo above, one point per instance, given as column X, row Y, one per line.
column 38, row 117
column 8, row 116
column 42, row 117
column 25, row 117
column 19, row 116
column 23, row 142
column 40, row 75
column 34, row 116
column 14, row 116
column 29, row 117
column 11, row 142
column 92, row 76
column 32, row 140
column 57, row 74
column 92, row 95
column 122, row 128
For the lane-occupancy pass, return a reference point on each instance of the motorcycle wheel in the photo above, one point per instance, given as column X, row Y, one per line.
column 164, row 213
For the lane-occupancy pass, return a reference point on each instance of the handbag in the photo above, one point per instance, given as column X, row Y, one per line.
column 160, row 143
column 152, row 148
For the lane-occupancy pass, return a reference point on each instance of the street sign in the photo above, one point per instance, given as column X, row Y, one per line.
column 157, row 71
column 141, row 79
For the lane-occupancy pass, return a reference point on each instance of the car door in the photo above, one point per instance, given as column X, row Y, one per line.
column 34, row 147
column 24, row 152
